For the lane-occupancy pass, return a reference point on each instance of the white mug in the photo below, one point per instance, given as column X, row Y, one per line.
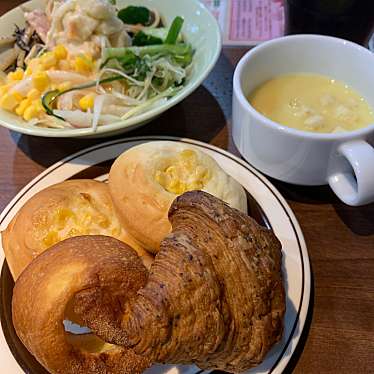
column 345, row 161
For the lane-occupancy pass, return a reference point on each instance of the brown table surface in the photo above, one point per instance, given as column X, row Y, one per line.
column 339, row 333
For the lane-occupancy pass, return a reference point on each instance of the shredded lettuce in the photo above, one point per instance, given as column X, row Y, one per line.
column 182, row 53
column 171, row 91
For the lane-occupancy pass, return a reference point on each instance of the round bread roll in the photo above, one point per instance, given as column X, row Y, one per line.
column 45, row 291
column 145, row 180
column 71, row 208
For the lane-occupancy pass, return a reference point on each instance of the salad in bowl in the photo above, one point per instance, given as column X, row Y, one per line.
column 81, row 67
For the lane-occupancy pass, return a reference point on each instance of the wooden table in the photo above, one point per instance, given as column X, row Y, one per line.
column 339, row 333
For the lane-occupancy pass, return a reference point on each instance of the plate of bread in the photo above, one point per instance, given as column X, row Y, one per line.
column 151, row 255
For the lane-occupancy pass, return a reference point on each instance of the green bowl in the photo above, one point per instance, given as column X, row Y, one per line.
column 200, row 29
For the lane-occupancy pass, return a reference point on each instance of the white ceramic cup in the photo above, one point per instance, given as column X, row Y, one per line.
column 345, row 161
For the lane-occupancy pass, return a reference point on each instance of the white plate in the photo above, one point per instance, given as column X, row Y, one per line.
column 274, row 209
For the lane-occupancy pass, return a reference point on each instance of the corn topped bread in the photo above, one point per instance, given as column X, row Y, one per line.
column 144, row 181
column 68, row 209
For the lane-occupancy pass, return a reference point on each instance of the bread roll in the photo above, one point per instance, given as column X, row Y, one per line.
column 71, row 208
column 45, row 290
column 145, row 180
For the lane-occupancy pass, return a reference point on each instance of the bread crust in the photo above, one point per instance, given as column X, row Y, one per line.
column 83, row 205
column 142, row 203
column 214, row 296
column 47, row 286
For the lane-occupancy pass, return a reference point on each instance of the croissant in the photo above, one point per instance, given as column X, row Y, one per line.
column 214, row 295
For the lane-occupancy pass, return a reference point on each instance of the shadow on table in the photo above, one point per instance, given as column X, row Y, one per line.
column 301, row 194
column 306, row 194
column 358, row 219
column 199, row 116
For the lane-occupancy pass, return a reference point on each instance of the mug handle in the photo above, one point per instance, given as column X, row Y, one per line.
column 358, row 188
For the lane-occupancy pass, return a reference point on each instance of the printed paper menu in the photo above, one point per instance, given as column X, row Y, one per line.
column 248, row 22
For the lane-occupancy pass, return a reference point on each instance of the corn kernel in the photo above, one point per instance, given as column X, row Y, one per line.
column 83, row 64
column 184, row 174
column 51, row 238
column 87, row 102
column 34, row 66
column 31, row 112
column 5, row 89
column 9, row 101
column 60, row 52
column 20, row 110
column 48, row 60
column 103, row 222
column 115, row 232
column 28, row 71
column 16, row 75
column 171, row 170
column 34, row 94
column 18, row 96
column 40, row 80
column 63, row 216
column 186, row 153
column 176, row 186
column 38, row 105
column 73, row 232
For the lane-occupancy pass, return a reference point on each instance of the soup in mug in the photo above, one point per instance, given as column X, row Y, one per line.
column 312, row 102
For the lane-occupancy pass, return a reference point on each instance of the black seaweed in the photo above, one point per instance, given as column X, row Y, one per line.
column 23, row 42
